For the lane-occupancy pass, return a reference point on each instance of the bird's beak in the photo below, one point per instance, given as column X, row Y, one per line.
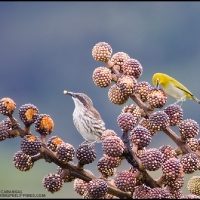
column 69, row 93
column 157, row 82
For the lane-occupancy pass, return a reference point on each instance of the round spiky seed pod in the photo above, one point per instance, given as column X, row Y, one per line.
column 175, row 114
column 175, row 184
column 4, row 131
column 22, row 161
column 174, row 193
column 65, row 174
column 126, row 83
column 132, row 67
column 133, row 109
column 157, row 98
column 85, row 154
column 126, row 121
column 8, row 123
column 193, row 143
column 102, row 77
column 107, row 133
column 52, row 182
column 158, row 193
column 145, row 123
column 44, row 124
column 125, row 181
column 113, row 146
column 53, row 142
column 7, row 106
column 159, row 120
column 27, row 113
column 167, row 152
column 80, row 185
column 65, row 152
column 142, row 89
column 194, row 185
column 172, row 169
column 31, row 144
column 140, row 136
column 101, row 52
column 152, row 159
column 188, row 129
column 116, row 96
column 141, row 191
column 96, row 188
column 113, row 162
column 190, row 163
column 192, row 196
column 119, row 59
column 105, row 167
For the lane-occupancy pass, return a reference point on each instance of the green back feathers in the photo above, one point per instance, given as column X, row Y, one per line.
column 164, row 80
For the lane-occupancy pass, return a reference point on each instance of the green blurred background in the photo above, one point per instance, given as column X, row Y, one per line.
column 45, row 47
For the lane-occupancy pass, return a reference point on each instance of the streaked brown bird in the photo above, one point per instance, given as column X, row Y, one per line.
column 87, row 119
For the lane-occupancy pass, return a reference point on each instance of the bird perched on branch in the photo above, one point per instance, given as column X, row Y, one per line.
column 173, row 88
column 87, row 119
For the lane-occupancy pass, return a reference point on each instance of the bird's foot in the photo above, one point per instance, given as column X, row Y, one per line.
column 88, row 143
column 178, row 102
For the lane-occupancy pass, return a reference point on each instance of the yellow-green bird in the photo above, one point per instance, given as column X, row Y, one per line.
column 173, row 88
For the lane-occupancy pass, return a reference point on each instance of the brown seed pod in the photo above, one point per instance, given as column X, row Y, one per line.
column 44, row 124
column 159, row 120
column 175, row 114
column 140, row 136
column 172, row 169
column 125, row 181
column 194, row 185
column 113, row 146
column 107, row 133
column 28, row 113
column 52, row 182
column 86, row 154
column 152, row 159
column 132, row 67
column 116, row 96
column 119, row 59
column 190, row 163
column 7, row 106
column 22, row 161
column 167, row 152
column 96, row 188
column 126, row 84
column 188, row 129
column 156, row 98
column 31, row 144
column 133, row 109
column 126, row 121
column 101, row 52
column 102, row 77
column 142, row 89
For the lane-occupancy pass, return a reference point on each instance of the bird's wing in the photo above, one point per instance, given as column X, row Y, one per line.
column 186, row 90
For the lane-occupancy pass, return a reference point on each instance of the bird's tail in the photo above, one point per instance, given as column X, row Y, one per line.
column 197, row 100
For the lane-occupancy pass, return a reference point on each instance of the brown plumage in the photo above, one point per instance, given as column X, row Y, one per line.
column 87, row 119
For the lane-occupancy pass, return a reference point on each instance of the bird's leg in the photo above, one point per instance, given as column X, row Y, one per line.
column 88, row 143
column 84, row 143
column 91, row 143
column 178, row 102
